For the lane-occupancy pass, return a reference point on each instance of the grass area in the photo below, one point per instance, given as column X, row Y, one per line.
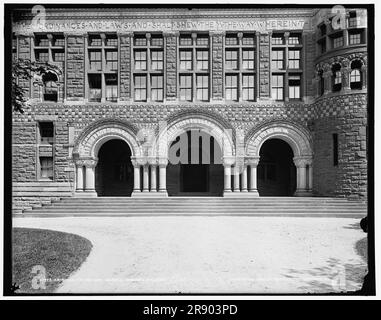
column 362, row 248
column 59, row 253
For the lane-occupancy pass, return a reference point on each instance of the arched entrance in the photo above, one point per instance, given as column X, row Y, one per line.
column 195, row 165
column 114, row 175
column 276, row 174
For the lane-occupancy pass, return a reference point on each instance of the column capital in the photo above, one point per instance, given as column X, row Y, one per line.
column 229, row 160
column 162, row 162
column 252, row 161
column 171, row 33
column 79, row 163
column 302, row 161
column 138, row 161
column 90, row 163
column 152, row 161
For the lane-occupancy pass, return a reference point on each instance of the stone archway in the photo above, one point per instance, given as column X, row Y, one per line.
column 85, row 152
column 300, row 141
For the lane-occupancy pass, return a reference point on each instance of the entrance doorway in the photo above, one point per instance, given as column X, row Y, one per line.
column 276, row 170
column 195, row 165
column 114, row 174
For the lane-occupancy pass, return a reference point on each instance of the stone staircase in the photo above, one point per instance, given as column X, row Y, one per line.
column 208, row 206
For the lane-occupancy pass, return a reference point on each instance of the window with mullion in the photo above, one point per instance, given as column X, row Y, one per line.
column 140, row 87
column 140, row 57
column 202, row 59
column 294, row 59
column 186, row 60
column 294, row 86
column 202, row 86
column 231, row 87
column 46, row 168
column 95, row 58
column 277, row 86
column 186, row 87
column 157, row 88
column 111, row 81
column 231, row 59
column 248, row 87
column 277, row 60
column 157, row 60
column 42, row 56
column 112, row 60
column 248, row 59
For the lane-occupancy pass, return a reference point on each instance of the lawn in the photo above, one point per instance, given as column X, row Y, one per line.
column 40, row 254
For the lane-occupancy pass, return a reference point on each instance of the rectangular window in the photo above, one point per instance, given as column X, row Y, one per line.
column 355, row 38
column 231, row 40
column 202, row 41
column 111, row 41
column 202, row 86
column 157, row 88
column 277, row 60
column 58, row 56
column 111, row 87
column 156, row 41
column 42, row 42
column 95, row 88
column 185, row 40
column 186, row 60
column 294, row 86
column 293, row 39
column 231, row 87
column 338, row 42
column 277, row 86
column 59, row 41
column 46, row 132
column 112, row 60
column 335, row 149
column 294, row 59
column 42, row 56
column 156, row 60
column 231, row 59
column 95, row 60
column 248, row 87
column 277, row 39
column 186, row 87
column 95, row 41
column 140, row 87
column 140, row 41
column 248, row 41
column 140, row 59
column 46, row 168
column 202, row 59
column 248, row 59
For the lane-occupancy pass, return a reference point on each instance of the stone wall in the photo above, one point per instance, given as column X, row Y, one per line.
column 217, row 66
column 345, row 115
column 75, row 83
column 171, row 66
column 125, row 67
column 264, row 65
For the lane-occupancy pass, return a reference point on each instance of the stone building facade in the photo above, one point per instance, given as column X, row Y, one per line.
column 278, row 97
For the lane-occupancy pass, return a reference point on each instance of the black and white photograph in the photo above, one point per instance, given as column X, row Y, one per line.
column 188, row 149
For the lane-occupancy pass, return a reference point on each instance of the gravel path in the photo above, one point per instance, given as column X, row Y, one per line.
column 213, row 254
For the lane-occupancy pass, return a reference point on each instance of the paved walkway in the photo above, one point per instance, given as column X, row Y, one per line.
column 213, row 254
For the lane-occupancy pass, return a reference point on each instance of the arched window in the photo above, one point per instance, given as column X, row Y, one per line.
column 355, row 76
column 336, row 77
column 50, row 87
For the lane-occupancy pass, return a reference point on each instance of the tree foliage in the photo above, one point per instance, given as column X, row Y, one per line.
column 24, row 70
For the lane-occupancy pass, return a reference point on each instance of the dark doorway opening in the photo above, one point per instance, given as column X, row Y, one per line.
column 198, row 170
column 276, row 169
column 114, row 174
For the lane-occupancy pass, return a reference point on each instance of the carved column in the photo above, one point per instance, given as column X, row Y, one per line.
column 79, row 176
column 153, row 164
column 163, row 175
column 145, row 177
column 346, row 72
column 136, row 165
column 228, row 162
column 310, row 176
column 236, row 177
column 327, row 81
column 364, row 76
column 301, row 176
column 253, row 162
column 90, row 176
column 244, row 177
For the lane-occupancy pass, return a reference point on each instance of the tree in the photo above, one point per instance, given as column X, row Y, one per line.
column 23, row 70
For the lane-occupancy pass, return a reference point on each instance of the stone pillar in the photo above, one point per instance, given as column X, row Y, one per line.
column 228, row 162
column 90, row 177
column 217, row 67
column 310, row 177
column 136, row 165
column 163, row 176
column 327, row 81
column 244, row 177
column 301, row 176
column 253, row 162
column 80, row 176
column 236, row 178
column 364, row 76
column 346, row 81
column 153, row 164
column 145, row 178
